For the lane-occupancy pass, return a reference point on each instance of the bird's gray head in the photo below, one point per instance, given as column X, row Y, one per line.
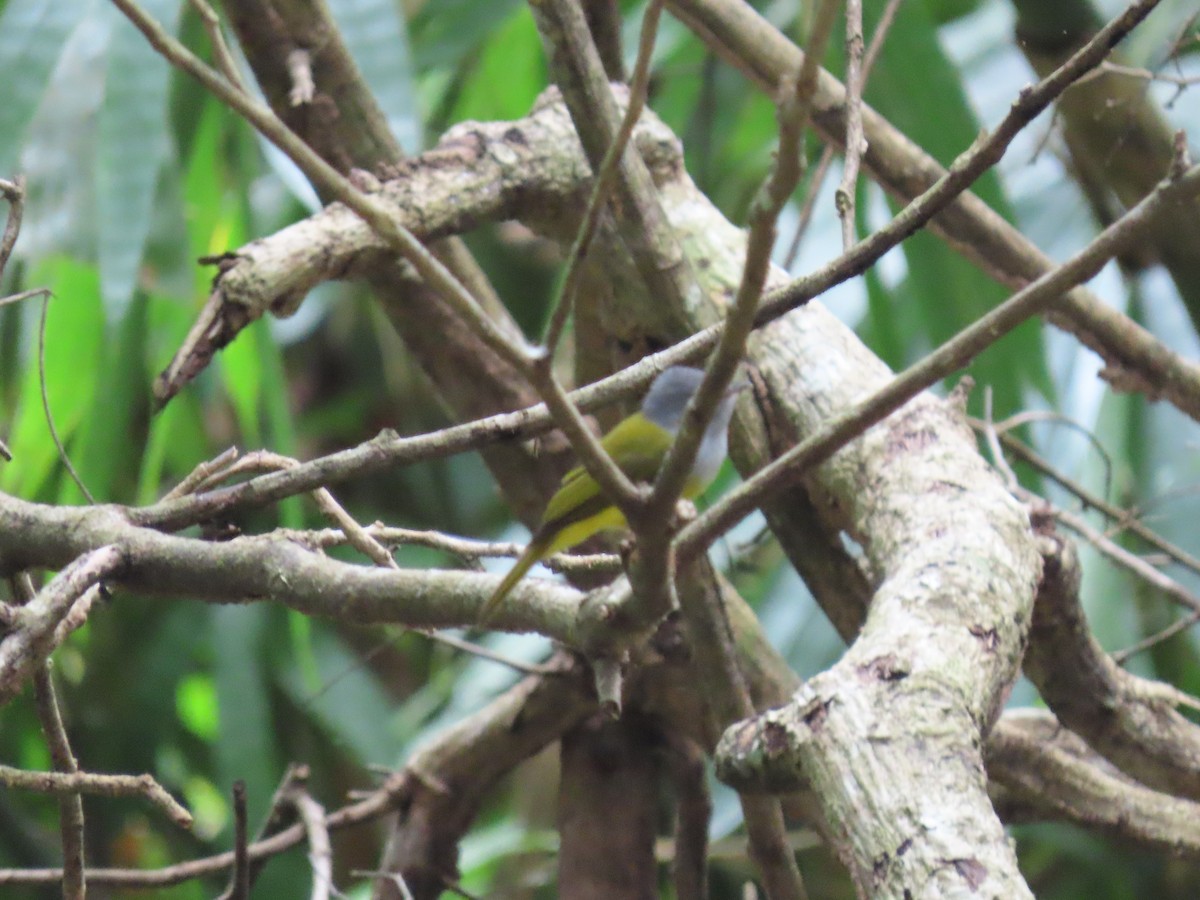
column 667, row 400
column 669, row 395
column 671, row 391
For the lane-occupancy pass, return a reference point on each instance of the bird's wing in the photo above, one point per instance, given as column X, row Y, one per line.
column 637, row 445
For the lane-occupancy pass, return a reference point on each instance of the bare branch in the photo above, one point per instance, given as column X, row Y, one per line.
column 240, row 877
column 794, row 111
column 257, row 568
column 465, row 548
column 226, row 64
column 320, row 851
column 1122, row 557
column 33, row 636
column 97, row 785
column 1127, row 720
column 70, row 823
column 689, row 862
column 855, row 141
column 1050, row 771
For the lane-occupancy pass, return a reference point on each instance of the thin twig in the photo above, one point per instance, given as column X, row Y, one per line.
column 76, row 782
column 1147, row 75
column 819, row 171
column 794, row 112
column 240, row 888
column 717, row 674
column 882, row 27
column 1123, row 519
column 203, row 473
column 359, row 537
column 376, row 805
column 591, row 455
column 604, row 179
column 1120, row 657
column 24, row 295
column 822, row 167
column 763, row 818
column 226, row 64
column 323, row 175
column 62, row 451
column 464, row 548
column 363, row 539
column 279, row 814
column 1137, row 360
column 855, row 140
column 993, row 441
column 71, row 825
column 491, row 655
column 388, row 449
column 320, row 851
column 1122, row 557
column 1046, row 415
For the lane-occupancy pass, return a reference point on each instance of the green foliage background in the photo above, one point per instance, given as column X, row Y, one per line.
column 134, row 174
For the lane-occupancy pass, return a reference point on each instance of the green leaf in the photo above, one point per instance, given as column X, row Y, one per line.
column 246, row 749
column 347, row 702
column 508, row 73
column 32, row 35
column 74, row 340
column 111, row 435
column 133, row 144
column 242, row 376
column 281, row 430
column 888, row 334
column 177, row 440
column 197, row 708
column 445, row 32
column 377, row 37
column 215, row 216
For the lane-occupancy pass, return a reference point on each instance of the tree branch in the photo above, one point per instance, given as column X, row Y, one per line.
column 1127, row 720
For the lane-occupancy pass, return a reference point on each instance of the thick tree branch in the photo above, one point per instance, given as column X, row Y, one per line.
column 249, row 569
column 1128, row 720
column 1047, row 772
column 925, row 678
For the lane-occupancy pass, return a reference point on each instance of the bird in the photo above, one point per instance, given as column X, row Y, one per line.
column 638, row 445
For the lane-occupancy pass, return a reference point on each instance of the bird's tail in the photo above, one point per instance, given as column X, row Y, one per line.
column 536, row 551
